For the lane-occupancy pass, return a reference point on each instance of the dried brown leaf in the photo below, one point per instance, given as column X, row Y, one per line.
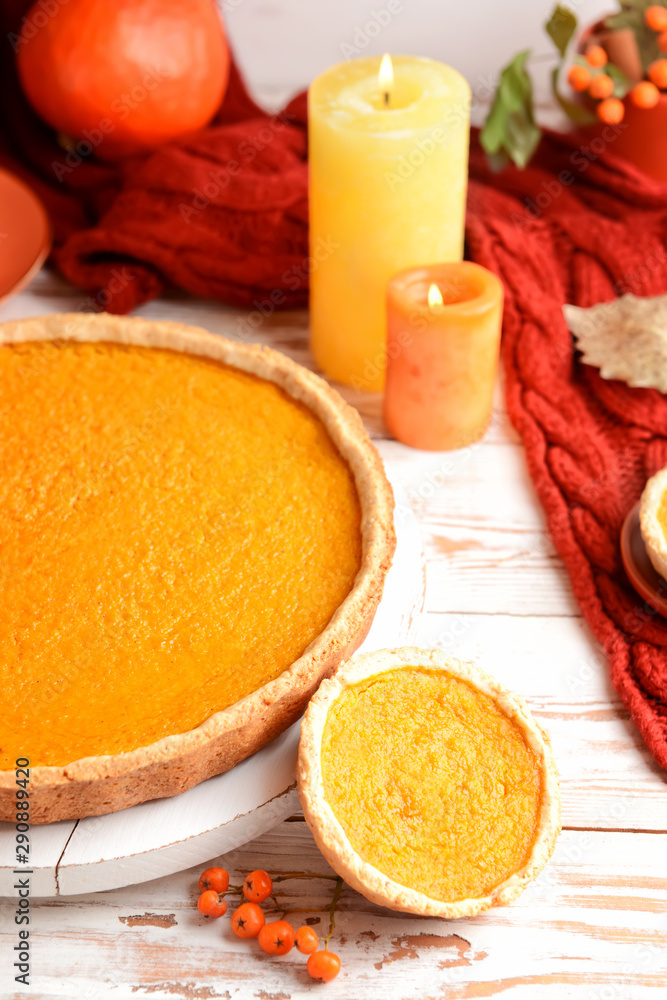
column 626, row 339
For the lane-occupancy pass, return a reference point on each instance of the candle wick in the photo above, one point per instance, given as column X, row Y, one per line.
column 386, row 98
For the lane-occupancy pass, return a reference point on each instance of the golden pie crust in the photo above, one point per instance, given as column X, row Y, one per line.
column 329, row 833
column 103, row 784
column 653, row 521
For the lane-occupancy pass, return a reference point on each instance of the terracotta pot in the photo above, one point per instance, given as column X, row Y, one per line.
column 643, row 142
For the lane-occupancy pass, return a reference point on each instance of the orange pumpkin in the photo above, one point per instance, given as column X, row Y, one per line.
column 126, row 75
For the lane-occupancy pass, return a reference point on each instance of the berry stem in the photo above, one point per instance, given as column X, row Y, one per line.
column 235, row 890
column 332, row 911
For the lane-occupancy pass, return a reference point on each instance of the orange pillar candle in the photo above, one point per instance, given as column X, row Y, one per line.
column 443, row 337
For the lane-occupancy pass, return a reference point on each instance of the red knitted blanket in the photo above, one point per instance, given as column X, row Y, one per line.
column 576, row 227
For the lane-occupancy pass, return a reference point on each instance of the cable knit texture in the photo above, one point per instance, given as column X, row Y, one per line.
column 582, row 228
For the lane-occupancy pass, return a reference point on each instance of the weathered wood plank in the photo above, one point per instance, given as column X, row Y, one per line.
column 593, row 923
column 484, row 531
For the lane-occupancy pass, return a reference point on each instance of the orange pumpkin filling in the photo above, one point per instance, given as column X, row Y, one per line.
column 433, row 784
column 174, row 533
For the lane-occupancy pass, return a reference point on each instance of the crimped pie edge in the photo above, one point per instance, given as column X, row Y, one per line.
column 330, row 835
column 98, row 785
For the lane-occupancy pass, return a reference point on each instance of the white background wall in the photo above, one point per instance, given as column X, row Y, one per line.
column 282, row 44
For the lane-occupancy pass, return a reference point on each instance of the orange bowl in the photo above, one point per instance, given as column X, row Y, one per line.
column 25, row 234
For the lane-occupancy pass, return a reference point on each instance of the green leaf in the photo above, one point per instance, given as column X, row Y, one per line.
column 621, row 83
column 522, row 138
column 510, row 129
column 515, row 85
column 574, row 111
column 560, row 27
column 492, row 133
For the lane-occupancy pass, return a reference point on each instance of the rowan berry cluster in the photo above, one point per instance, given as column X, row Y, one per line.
column 276, row 937
column 592, row 74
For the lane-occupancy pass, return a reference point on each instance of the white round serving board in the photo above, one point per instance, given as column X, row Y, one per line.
column 168, row 835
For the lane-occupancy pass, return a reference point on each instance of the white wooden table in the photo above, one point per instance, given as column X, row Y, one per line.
column 592, row 927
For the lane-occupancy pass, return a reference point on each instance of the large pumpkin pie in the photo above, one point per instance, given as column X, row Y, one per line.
column 193, row 532
column 427, row 785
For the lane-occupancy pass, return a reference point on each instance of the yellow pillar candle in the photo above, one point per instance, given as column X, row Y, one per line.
column 388, row 171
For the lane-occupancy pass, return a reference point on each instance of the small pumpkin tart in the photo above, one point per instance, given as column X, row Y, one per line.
column 653, row 521
column 428, row 787
column 193, row 533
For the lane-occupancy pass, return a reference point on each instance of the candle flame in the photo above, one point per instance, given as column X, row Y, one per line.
column 386, row 76
column 434, row 297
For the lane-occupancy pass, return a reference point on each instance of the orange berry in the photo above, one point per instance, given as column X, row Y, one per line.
column 211, row 904
column 611, row 111
column 601, row 86
column 579, row 77
column 645, row 94
column 248, row 920
column 596, row 56
column 276, row 938
column 257, row 886
column 656, row 17
column 323, row 965
column 662, row 41
column 306, row 940
column 214, row 878
column 657, row 73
